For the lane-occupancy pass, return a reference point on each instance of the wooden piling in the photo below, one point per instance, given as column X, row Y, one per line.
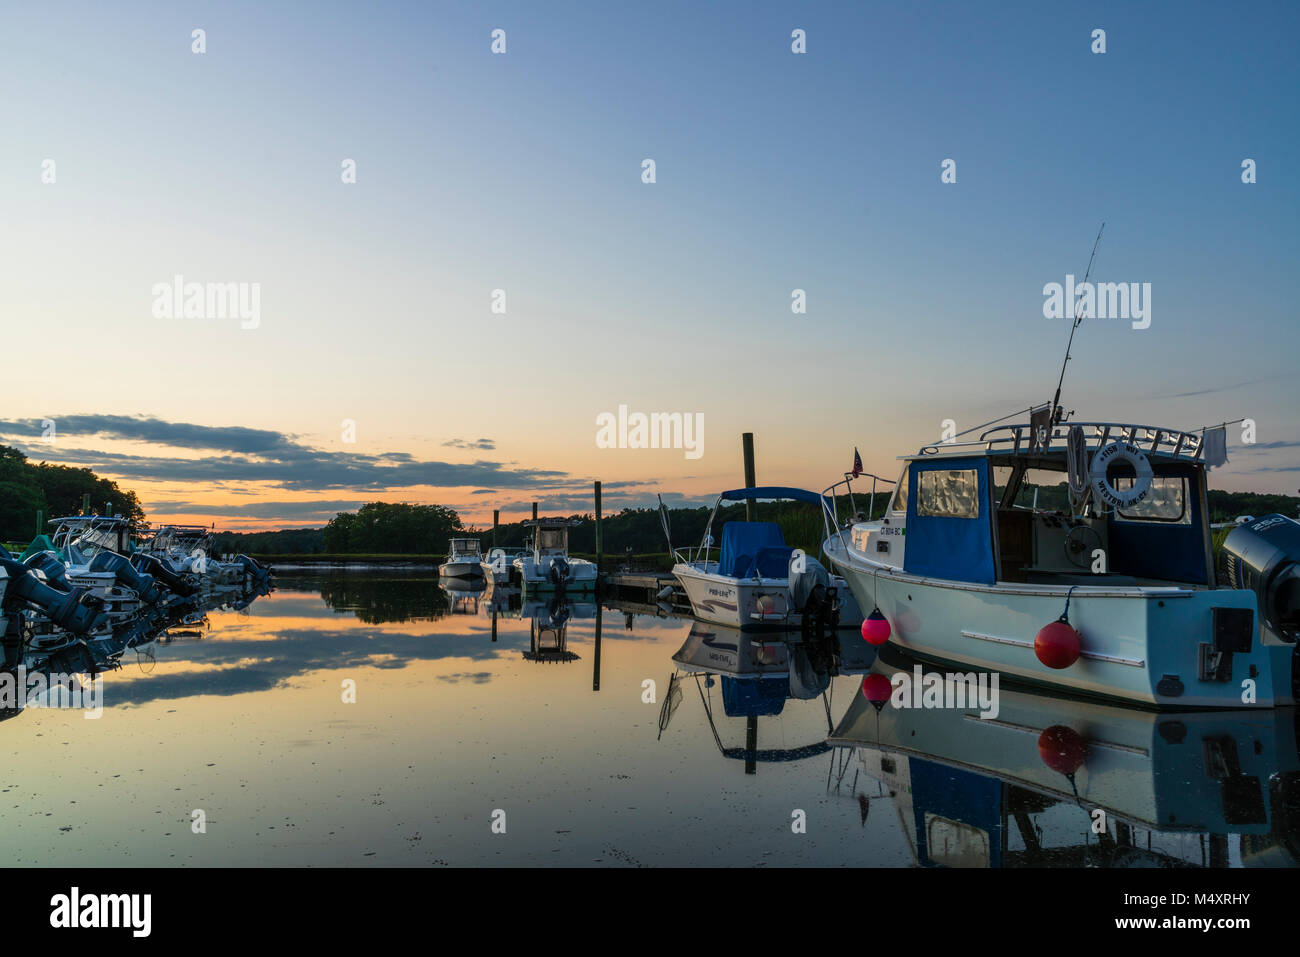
column 496, row 520
column 534, row 511
column 40, row 521
column 600, row 534
column 747, row 444
column 85, row 504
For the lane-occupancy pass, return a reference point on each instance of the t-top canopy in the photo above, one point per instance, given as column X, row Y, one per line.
column 772, row 491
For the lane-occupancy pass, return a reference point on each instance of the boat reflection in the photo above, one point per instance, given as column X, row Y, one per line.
column 1053, row 781
column 756, row 673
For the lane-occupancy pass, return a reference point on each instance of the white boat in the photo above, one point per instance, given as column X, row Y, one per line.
column 464, row 559
column 757, row 579
column 1031, row 553
column 548, row 565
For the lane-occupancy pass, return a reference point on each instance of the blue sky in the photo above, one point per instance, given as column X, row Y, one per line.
column 521, row 171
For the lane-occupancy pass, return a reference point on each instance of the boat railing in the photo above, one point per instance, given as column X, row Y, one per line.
column 830, row 504
column 1153, row 440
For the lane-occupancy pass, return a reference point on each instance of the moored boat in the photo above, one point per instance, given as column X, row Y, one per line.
column 757, row 580
column 1079, row 556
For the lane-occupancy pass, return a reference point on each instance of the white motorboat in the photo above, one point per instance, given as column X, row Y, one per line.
column 464, row 560
column 548, row 565
column 757, row 579
column 1078, row 556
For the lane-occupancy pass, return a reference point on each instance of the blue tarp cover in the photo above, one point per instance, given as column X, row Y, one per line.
column 774, row 492
column 954, row 549
column 742, row 541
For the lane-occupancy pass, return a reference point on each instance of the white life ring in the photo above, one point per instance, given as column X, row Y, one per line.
column 1120, row 451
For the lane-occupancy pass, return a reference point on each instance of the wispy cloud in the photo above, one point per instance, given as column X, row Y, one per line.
column 484, row 444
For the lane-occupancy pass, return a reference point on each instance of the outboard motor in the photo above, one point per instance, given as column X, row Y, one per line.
column 560, row 571
column 48, row 564
column 143, row 585
column 1263, row 556
column 258, row 574
column 74, row 611
column 812, row 593
column 179, row 584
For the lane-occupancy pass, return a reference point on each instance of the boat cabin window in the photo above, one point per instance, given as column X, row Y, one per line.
column 552, row 540
column 948, row 493
column 1043, row 489
column 900, row 493
column 1165, row 502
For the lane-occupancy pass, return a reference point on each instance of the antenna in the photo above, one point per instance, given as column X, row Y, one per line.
column 1078, row 321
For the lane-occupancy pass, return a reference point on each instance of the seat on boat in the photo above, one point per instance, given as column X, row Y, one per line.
column 744, row 543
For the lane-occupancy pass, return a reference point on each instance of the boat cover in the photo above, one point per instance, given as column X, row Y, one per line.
column 772, row 492
column 742, row 543
column 950, row 548
column 755, row 697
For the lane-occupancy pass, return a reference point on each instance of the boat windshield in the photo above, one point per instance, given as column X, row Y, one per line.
column 552, row 540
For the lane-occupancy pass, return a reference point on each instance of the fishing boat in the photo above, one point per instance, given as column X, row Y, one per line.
column 1077, row 555
column 464, row 560
column 547, row 564
column 498, row 565
column 757, row 580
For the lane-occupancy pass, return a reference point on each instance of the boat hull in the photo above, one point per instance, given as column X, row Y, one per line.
column 752, row 603
column 1140, row 645
column 465, row 569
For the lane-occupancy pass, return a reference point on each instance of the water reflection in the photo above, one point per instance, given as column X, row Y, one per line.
column 1059, row 782
column 600, row 731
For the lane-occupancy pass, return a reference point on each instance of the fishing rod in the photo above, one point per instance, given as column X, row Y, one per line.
column 1078, row 321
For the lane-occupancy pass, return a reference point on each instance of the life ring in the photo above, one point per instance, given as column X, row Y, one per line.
column 1107, row 493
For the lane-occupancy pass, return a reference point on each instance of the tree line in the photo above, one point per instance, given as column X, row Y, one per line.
column 53, row 490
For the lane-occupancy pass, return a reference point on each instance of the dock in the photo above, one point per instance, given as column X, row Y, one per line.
column 644, row 588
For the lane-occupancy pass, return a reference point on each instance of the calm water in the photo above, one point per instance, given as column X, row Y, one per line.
column 460, row 714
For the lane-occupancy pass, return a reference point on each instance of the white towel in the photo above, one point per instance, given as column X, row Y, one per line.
column 1214, row 447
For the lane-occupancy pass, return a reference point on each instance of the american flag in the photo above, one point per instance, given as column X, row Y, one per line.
column 857, row 463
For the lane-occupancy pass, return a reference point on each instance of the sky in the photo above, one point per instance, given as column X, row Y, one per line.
column 375, row 367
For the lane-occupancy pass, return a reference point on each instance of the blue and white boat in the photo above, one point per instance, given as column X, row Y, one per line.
column 1079, row 556
column 547, row 565
column 757, row 580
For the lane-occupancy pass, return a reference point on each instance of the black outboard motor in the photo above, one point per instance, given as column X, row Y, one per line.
column 74, row 611
column 1263, row 556
column 257, row 573
column 48, row 564
column 143, row 585
column 559, row 573
column 177, row 583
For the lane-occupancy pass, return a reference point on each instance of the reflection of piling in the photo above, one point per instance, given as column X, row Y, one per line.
column 494, row 624
column 747, row 444
column 600, row 534
column 595, row 667
column 751, row 745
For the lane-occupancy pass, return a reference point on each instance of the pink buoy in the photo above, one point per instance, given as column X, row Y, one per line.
column 1062, row 749
column 875, row 628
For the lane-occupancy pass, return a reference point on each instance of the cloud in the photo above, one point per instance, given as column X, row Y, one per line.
column 1222, row 388
column 485, row 444
column 323, row 509
column 258, row 455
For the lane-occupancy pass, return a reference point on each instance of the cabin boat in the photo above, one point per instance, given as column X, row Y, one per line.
column 1022, row 787
column 548, row 565
column 757, row 580
column 89, row 552
column 1100, row 531
column 464, row 559
column 186, row 550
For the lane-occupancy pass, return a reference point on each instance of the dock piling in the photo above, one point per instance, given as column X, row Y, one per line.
column 747, row 444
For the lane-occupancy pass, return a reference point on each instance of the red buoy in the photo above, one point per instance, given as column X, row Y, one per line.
column 1062, row 749
column 1058, row 645
column 877, row 688
column 875, row 627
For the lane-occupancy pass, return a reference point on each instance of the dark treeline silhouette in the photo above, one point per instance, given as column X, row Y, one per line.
column 55, row 490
